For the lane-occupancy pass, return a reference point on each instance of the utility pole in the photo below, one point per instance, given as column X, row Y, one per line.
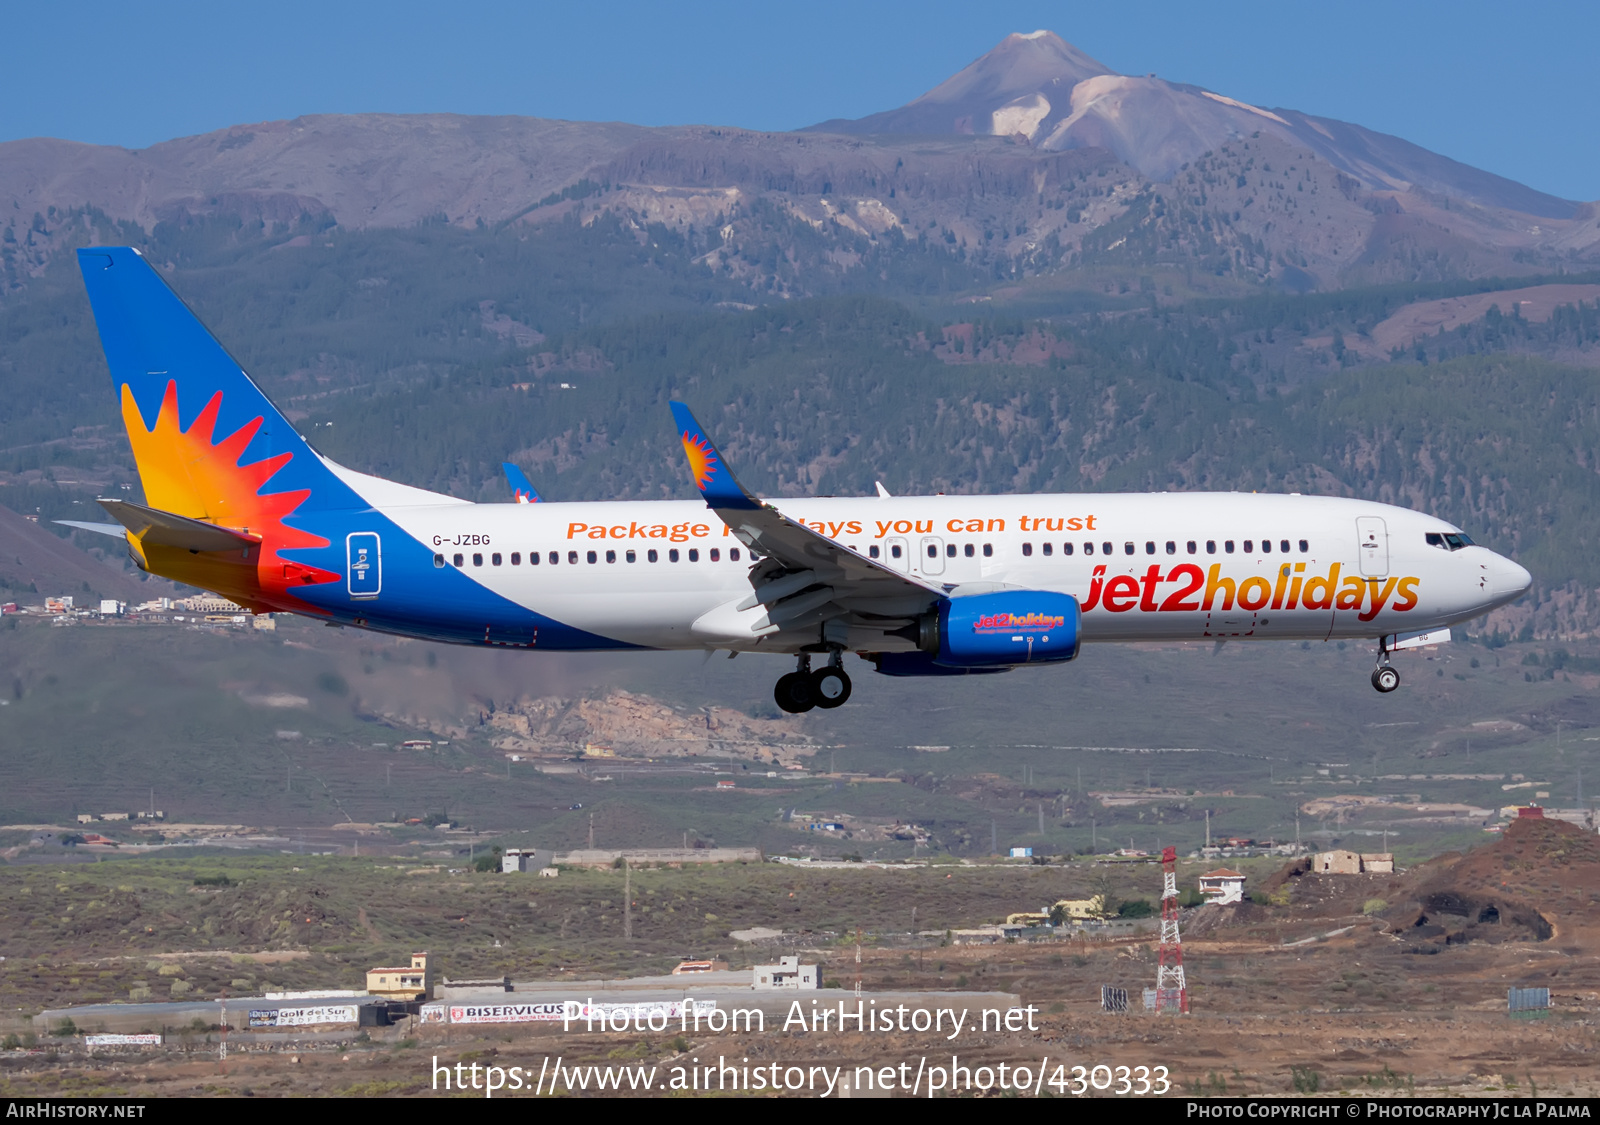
column 1041, row 815
column 1208, row 828
column 858, row 961
column 591, row 831
column 1094, row 837
column 1172, row 990
column 627, row 901
column 994, row 838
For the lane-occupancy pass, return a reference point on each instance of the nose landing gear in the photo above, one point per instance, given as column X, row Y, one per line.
column 801, row 690
column 1384, row 678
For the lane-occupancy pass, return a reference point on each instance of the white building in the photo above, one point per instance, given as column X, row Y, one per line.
column 787, row 973
column 1222, row 886
column 525, row 859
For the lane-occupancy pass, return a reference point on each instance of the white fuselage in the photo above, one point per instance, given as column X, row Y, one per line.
column 1153, row 566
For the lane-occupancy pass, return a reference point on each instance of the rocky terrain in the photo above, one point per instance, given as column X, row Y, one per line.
column 1033, row 160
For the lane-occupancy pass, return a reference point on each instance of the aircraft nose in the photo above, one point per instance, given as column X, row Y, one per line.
column 1508, row 580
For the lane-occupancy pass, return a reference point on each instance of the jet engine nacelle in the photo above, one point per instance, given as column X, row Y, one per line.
column 1003, row 629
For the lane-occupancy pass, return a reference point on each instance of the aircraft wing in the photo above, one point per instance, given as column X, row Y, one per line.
column 836, row 574
column 163, row 529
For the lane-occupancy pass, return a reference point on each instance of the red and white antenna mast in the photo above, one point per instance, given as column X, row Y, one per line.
column 1172, row 991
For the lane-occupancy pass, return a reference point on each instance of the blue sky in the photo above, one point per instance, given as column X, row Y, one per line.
column 1511, row 88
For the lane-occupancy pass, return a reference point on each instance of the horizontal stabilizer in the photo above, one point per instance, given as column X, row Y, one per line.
column 115, row 529
column 163, row 529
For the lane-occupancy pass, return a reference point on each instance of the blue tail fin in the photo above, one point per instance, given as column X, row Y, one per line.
column 521, row 486
column 208, row 443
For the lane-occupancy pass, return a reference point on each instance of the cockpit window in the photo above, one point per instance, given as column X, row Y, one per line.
column 1457, row 541
column 1450, row 541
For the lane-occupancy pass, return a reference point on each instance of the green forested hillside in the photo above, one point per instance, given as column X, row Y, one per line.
column 432, row 354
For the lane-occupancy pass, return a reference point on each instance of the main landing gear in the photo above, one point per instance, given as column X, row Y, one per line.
column 1384, row 677
column 803, row 689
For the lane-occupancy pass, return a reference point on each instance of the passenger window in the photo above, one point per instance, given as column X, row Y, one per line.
column 516, row 558
column 494, row 559
column 457, row 560
column 1066, row 549
column 477, row 559
column 438, row 560
column 933, row 551
column 632, row 556
column 1190, row 546
column 988, row 550
column 652, row 555
column 1249, row 546
column 592, row 556
column 1047, row 549
column 1088, row 548
column 1127, row 549
column 1211, row 546
column 572, row 558
column 1266, row 546
column 950, row 550
column 968, row 550
column 672, row 555
column 1149, row 548
column 1283, row 545
column 872, row 551
column 716, row 554
column 733, row 554
column 611, row 556
column 1105, row 548
column 1172, row 548
column 533, row 558
column 1227, row 546
column 1027, row 550
column 894, row 551
column 1305, row 547
column 694, row 554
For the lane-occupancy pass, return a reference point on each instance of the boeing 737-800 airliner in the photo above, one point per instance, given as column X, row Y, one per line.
column 236, row 501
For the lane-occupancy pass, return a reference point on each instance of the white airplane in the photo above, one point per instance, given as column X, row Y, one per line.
column 238, row 503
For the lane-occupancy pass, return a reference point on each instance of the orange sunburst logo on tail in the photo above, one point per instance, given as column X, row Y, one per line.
column 191, row 473
column 702, row 459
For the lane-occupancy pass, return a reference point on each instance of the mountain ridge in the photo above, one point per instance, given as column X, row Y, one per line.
column 1044, row 88
column 1061, row 164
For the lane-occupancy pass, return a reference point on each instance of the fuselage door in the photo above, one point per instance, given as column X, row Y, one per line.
column 897, row 553
column 931, row 561
column 1373, row 546
column 364, row 564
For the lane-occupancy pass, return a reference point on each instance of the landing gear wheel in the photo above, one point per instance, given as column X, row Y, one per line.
column 1385, row 678
column 794, row 694
column 830, row 687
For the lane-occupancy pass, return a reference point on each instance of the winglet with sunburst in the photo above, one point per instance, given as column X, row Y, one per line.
column 710, row 471
column 702, row 459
